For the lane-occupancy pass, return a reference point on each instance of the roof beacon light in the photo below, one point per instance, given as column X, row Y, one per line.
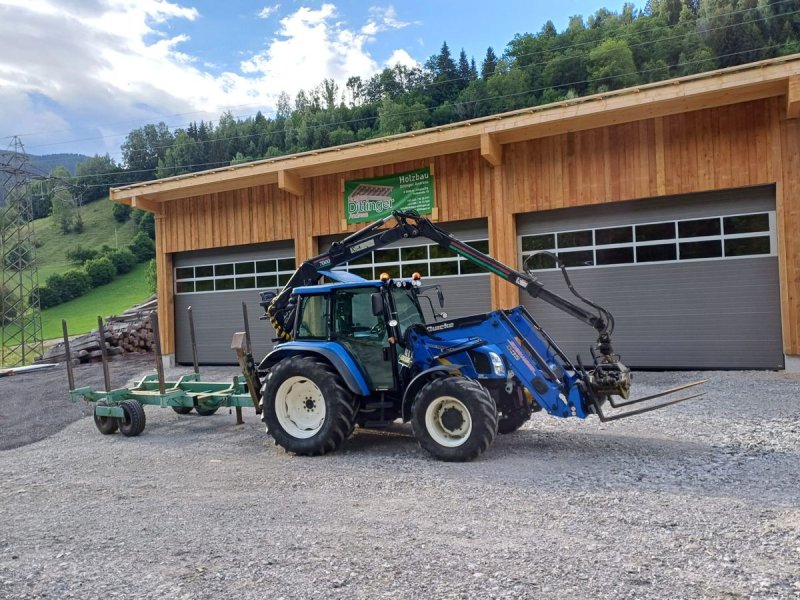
column 384, row 276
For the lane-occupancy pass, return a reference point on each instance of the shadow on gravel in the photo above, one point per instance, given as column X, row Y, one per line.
column 36, row 405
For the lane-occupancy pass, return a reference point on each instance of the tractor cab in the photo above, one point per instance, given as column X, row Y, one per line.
column 369, row 319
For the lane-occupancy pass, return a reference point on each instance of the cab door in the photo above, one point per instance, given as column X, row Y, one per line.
column 364, row 335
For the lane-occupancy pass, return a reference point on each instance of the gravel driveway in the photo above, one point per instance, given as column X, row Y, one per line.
column 696, row 501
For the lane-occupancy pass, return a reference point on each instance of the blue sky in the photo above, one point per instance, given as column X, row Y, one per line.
column 77, row 75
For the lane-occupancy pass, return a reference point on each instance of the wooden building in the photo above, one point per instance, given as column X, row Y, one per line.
column 678, row 203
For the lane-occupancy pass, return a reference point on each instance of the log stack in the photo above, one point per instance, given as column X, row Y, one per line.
column 130, row 332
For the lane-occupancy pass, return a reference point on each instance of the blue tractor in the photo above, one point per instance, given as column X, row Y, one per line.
column 358, row 352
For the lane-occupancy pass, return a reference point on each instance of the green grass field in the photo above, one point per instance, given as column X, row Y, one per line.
column 110, row 299
column 119, row 295
column 99, row 228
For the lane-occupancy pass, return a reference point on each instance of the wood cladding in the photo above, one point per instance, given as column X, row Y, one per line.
column 463, row 183
column 732, row 146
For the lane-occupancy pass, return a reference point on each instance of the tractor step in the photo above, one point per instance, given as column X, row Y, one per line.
column 377, row 423
column 377, row 405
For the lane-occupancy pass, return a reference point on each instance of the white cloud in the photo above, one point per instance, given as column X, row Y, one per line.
column 401, row 57
column 123, row 62
column 268, row 11
column 383, row 19
column 310, row 46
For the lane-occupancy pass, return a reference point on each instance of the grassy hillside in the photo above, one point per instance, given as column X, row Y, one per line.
column 122, row 293
column 110, row 299
column 99, row 228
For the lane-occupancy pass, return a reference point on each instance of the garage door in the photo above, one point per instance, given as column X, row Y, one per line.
column 692, row 281
column 466, row 288
column 215, row 283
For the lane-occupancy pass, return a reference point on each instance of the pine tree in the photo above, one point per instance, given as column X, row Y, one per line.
column 489, row 64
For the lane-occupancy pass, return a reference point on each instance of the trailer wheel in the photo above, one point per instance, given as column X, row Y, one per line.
column 454, row 418
column 307, row 408
column 205, row 412
column 182, row 410
column 105, row 425
column 132, row 424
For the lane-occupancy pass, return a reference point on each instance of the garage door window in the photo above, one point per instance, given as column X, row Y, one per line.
column 231, row 276
column 429, row 260
column 682, row 240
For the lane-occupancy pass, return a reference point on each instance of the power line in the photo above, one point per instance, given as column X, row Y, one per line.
column 425, row 109
column 430, row 84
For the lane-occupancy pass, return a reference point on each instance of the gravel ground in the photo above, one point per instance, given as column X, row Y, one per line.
column 696, row 501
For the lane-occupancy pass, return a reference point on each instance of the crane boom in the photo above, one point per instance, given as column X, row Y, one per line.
column 410, row 224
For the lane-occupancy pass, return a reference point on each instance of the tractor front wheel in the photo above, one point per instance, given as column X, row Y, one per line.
column 454, row 418
column 307, row 408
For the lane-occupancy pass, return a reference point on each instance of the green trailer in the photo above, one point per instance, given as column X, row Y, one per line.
column 122, row 409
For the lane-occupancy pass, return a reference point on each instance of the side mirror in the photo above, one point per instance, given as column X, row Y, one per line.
column 377, row 304
column 441, row 297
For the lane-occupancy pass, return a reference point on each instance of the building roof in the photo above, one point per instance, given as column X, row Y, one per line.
column 753, row 81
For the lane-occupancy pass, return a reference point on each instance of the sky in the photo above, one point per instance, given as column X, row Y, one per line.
column 78, row 75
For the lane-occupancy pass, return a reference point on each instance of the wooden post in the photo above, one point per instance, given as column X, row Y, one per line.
column 502, row 242
column 157, row 345
column 101, row 333
column 70, row 375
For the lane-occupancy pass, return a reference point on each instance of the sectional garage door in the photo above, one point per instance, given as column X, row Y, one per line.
column 466, row 288
column 215, row 283
column 692, row 281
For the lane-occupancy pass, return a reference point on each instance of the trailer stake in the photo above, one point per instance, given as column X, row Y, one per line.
column 101, row 333
column 70, row 375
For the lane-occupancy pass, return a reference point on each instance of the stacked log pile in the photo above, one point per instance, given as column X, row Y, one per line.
column 130, row 332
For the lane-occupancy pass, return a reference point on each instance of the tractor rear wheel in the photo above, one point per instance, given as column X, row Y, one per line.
column 511, row 421
column 307, row 408
column 454, row 418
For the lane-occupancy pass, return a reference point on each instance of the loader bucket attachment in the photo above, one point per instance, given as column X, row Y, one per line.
column 598, row 404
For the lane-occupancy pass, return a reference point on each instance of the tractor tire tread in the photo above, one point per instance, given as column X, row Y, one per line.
column 484, row 418
column 344, row 409
column 513, row 420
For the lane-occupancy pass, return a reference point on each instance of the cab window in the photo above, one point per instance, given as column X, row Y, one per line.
column 353, row 316
column 408, row 312
column 313, row 322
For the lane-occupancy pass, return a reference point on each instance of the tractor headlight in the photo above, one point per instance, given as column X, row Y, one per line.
column 497, row 363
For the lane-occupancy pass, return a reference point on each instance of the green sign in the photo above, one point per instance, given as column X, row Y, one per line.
column 372, row 199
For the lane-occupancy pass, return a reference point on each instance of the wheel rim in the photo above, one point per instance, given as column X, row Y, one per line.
column 300, row 407
column 448, row 421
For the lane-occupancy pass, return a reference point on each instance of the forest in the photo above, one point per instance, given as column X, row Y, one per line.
column 604, row 51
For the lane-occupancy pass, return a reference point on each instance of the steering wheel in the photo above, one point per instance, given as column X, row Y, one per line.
column 379, row 328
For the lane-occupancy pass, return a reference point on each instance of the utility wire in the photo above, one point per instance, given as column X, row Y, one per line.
column 431, row 84
column 686, row 63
